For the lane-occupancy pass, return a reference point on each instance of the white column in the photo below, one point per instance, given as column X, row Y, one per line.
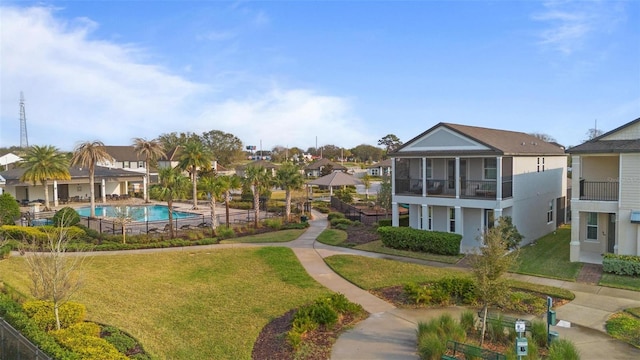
column 395, row 219
column 55, row 193
column 574, row 245
column 499, row 178
column 459, row 221
column 457, row 180
column 425, row 217
column 104, row 191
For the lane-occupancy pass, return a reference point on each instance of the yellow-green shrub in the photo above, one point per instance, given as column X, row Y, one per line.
column 72, row 232
column 42, row 313
column 84, row 340
column 22, row 233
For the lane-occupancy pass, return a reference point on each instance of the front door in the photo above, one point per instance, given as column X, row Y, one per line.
column 611, row 234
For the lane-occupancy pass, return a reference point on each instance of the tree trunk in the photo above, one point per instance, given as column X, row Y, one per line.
column 194, row 179
column 256, row 205
column 170, row 205
column 484, row 324
column 213, row 215
column 92, row 200
column 146, row 189
column 57, row 314
column 226, row 208
column 46, row 194
column 287, row 208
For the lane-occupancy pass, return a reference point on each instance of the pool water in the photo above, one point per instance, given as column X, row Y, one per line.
column 137, row 213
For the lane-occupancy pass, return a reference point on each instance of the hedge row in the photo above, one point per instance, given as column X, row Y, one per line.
column 434, row 242
column 403, row 221
column 621, row 264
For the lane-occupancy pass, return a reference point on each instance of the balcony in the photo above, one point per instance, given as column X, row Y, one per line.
column 599, row 190
column 469, row 189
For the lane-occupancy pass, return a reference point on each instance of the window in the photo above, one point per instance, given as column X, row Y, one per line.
column 140, row 164
column 540, row 164
column 126, row 164
column 452, row 220
column 490, row 168
column 592, row 226
column 550, row 212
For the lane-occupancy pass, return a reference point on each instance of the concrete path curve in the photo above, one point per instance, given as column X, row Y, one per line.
column 390, row 333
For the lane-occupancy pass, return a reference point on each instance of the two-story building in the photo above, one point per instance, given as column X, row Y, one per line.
column 461, row 179
column 605, row 200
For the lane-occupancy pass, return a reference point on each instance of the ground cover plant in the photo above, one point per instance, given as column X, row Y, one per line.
column 549, row 257
column 625, row 326
column 221, row 299
column 620, row 281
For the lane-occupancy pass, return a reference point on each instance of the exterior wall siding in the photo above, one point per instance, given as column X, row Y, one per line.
column 630, row 133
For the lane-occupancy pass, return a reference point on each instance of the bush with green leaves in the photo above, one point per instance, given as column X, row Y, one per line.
column 25, row 234
column 539, row 332
column 66, row 217
column 224, row 232
column 628, row 265
column 42, row 313
column 9, row 209
column 340, row 221
column 323, row 312
column 624, row 326
column 433, row 336
column 275, row 224
column 335, row 215
column 434, row 242
column 5, row 251
column 562, row 349
column 84, row 339
column 403, row 221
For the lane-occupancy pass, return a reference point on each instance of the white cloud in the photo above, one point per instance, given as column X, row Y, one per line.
column 80, row 89
column 569, row 24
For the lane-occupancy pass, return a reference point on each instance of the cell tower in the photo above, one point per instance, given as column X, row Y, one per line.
column 24, row 140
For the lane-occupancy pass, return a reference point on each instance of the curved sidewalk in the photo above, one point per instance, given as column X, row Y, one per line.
column 390, row 332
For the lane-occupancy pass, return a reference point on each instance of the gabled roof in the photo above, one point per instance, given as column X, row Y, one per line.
column 123, row 153
column 259, row 163
column 612, row 142
column 481, row 141
column 380, row 164
column 9, row 158
column 13, row 176
column 316, row 165
column 336, row 178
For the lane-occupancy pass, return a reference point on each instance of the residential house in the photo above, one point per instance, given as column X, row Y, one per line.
column 605, row 202
column 461, row 179
column 9, row 161
column 315, row 168
column 108, row 182
column 381, row 168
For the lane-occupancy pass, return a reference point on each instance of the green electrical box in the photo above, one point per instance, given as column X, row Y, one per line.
column 551, row 317
column 521, row 346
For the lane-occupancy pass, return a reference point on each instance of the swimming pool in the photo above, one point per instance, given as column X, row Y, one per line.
column 137, row 213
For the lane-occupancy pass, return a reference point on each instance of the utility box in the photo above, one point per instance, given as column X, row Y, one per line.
column 522, row 346
column 551, row 317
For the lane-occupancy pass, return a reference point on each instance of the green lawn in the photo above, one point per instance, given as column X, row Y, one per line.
column 189, row 304
column 549, row 257
column 620, row 281
column 270, row 237
column 332, row 237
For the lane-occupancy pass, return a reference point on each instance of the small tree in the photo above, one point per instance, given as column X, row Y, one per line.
column 9, row 209
column 488, row 267
column 384, row 193
column 55, row 276
column 366, row 181
column 510, row 232
column 123, row 216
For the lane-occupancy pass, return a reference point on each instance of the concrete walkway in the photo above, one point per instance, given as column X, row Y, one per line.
column 390, row 333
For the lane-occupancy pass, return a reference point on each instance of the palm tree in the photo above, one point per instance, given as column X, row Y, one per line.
column 229, row 183
column 258, row 179
column 172, row 185
column 44, row 163
column 88, row 154
column 214, row 186
column 288, row 177
column 152, row 151
column 194, row 155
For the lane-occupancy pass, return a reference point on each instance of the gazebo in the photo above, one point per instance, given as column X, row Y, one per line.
column 336, row 178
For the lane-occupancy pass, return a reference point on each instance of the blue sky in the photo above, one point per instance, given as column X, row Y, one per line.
column 290, row 72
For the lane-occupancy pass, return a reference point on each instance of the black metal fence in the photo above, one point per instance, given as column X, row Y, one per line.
column 14, row 346
column 599, row 190
column 365, row 216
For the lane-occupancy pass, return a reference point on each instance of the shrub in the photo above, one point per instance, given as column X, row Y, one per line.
column 539, row 332
column 275, row 224
column 9, row 209
column 562, row 349
column 433, row 335
column 624, row 326
column 42, row 313
column 403, row 221
column 119, row 339
column 5, row 251
column 84, row 340
column 225, row 232
column 420, row 294
column 468, row 321
column 463, row 289
column 436, row 242
column 496, row 329
column 293, row 225
column 621, row 264
column 335, row 215
column 340, row 221
column 430, row 346
column 22, row 233
column 66, row 217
